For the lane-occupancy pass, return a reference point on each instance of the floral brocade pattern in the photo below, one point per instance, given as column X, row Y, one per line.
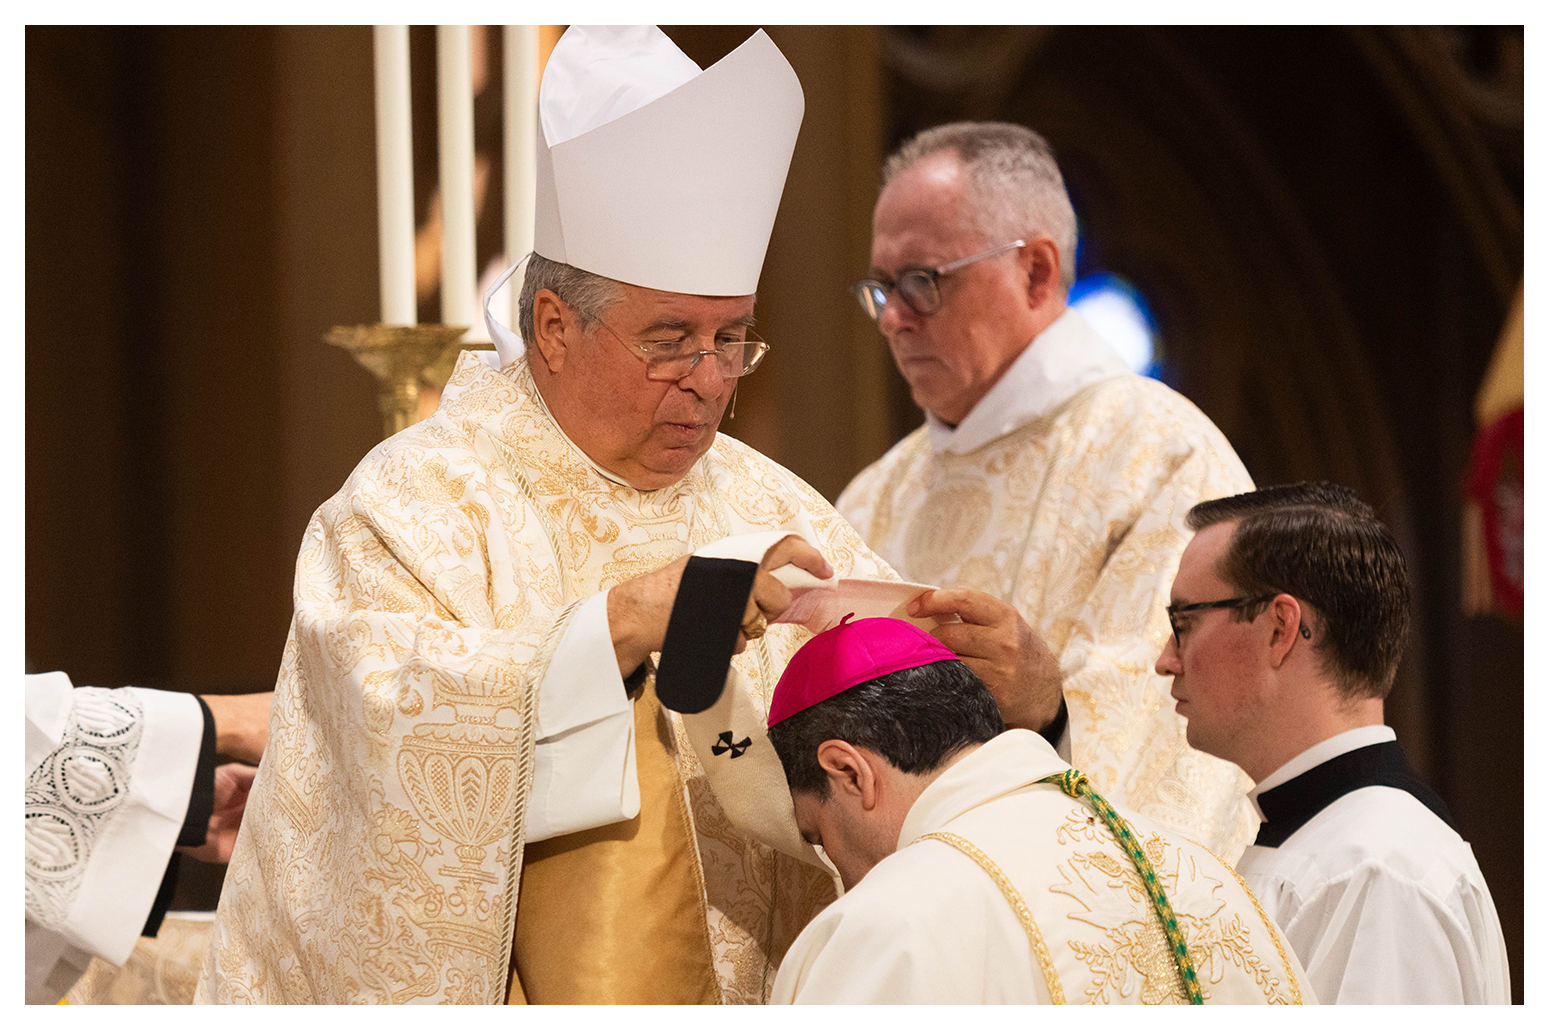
column 379, row 851
column 1115, row 947
column 1092, row 928
column 1077, row 519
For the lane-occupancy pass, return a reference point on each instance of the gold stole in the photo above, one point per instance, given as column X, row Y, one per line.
column 616, row 914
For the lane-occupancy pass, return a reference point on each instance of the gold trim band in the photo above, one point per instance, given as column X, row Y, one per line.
column 1024, row 914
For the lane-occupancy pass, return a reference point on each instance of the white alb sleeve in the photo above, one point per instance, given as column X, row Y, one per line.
column 109, row 774
column 1350, row 930
column 584, row 761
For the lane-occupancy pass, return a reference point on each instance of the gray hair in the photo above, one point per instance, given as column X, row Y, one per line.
column 588, row 294
column 1015, row 187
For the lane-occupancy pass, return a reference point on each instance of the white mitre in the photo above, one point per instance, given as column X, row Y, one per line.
column 653, row 172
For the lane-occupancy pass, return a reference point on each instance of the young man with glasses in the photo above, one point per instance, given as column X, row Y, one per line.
column 1047, row 476
column 1289, row 614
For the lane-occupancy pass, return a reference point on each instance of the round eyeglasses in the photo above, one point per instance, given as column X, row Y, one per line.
column 917, row 286
column 673, row 360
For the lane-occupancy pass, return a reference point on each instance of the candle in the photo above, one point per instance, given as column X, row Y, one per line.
column 521, row 145
column 454, row 87
column 395, row 175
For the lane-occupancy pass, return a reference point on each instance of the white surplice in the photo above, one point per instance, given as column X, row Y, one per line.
column 109, row 773
column 1063, row 492
column 930, row 925
column 1382, row 900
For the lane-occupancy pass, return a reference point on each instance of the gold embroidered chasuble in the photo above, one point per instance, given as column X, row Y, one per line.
column 381, row 850
column 1075, row 517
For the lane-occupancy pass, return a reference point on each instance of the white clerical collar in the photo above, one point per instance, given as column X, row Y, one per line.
column 1333, row 747
column 1006, row 763
column 1059, row 363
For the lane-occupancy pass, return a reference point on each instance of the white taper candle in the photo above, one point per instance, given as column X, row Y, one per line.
column 395, row 175
column 454, row 88
column 521, row 144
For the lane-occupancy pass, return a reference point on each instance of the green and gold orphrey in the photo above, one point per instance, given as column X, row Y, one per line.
column 1079, row 786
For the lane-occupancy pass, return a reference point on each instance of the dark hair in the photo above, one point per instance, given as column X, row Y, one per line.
column 1323, row 545
column 915, row 718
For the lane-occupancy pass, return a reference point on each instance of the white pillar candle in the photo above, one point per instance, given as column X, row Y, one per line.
column 521, row 145
column 394, row 175
column 454, row 87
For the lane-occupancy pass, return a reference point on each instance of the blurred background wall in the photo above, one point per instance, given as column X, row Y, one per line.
column 1326, row 223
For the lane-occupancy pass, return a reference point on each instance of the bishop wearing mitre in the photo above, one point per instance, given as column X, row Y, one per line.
column 472, row 792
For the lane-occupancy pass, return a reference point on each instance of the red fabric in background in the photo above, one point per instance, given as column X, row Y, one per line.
column 1495, row 482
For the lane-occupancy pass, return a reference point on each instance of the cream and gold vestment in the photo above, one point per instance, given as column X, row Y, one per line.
column 450, row 599
column 1006, row 891
column 1063, row 492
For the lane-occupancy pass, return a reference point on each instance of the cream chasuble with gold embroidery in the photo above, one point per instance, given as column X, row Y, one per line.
column 446, row 598
column 1041, row 906
column 1063, row 493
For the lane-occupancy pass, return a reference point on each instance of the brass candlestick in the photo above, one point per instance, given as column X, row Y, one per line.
column 402, row 357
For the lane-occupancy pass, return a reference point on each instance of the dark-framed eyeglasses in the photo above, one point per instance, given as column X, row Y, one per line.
column 673, row 360
column 917, row 286
column 1175, row 610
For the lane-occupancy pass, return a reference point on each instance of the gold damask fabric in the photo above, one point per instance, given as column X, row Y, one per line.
column 616, row 914
column 1076, row 518
column 161, row 970
column 381, row 849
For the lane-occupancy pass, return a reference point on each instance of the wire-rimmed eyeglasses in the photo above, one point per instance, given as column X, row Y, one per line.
column 1175, row 610
column 673, row 360
column 917, row 286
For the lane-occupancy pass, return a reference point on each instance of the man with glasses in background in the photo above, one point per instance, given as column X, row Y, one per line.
column 1047, row 475
column 1289, row 614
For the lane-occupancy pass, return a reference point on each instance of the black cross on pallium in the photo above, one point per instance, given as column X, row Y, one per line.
column 726, row 744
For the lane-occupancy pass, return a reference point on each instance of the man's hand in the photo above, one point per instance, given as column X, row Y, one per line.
column 1001, row 648
column 769, row 597
column 241, row 724
column 232, row 783
column 639, row 609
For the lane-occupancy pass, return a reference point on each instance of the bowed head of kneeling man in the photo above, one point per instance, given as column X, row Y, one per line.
column 977, row 865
